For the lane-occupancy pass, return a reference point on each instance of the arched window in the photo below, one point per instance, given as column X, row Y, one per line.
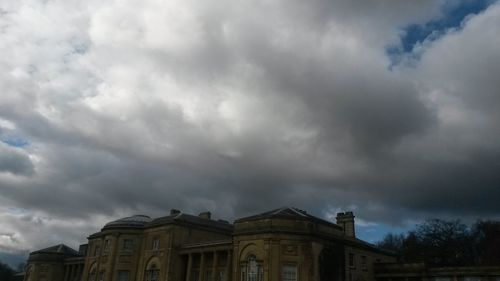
column 251, row 270
column 93, row 273
column 152, row 273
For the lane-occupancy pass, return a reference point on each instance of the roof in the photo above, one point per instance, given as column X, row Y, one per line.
column 288, row 213
column 133, row 221
column 142, row 221
column 298, row 214
column 58, row 249
column 190, row 219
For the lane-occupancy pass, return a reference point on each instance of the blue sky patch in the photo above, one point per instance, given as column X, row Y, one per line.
column 453, row 14
column 15, row 141
column 377, row 232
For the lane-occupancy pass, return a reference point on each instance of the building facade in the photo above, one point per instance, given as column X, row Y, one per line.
column 285, row 244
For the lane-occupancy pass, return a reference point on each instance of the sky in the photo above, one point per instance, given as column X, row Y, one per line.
column 387, row 108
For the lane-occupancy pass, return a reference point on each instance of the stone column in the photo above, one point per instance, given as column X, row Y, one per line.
column 214, row 266
column 73, row 274
column 189, row 267
column 66, row 272
column 202, row 267
column 80, row 272
column 229, row 262
column 112, row 255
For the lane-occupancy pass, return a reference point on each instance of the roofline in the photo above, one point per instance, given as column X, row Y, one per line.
column 225, row 228
column 207, row 244
column 330, row 238
column 304, row 218
column 44, row 250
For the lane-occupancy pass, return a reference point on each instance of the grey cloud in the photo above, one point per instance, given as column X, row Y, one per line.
column 463, row 64
column 239, row 107
column 15, row 161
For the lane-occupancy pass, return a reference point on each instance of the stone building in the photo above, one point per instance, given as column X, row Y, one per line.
column 58, row 262
column 285, row 244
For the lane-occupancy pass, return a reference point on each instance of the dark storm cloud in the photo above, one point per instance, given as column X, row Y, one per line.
column 241, row 107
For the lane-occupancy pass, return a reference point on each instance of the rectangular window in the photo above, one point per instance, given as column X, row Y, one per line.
column 221, row 276
column 208, row 275
column 106, row 245
column 289, row 273
column 364, row 264
column 155, row 244
column 243, row 273
column 351, row 260
column 128, row 244
column 101, row 276
column 123, row 275
column 97, row 250
column 196, row 276
column 154, row 275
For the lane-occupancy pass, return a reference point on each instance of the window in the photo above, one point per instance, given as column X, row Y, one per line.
column 156, row 244
column 122, row 275
column 152, row 273
column 351, row 260
column 208, row 275
column 252, row 270
column 221, row 276
column 101, row 276
column 195, row 276
column 106, row 245
column 97, row 250
column 289, row 273
column 364, row 264
column 243, row 273
column 92, row 275
column 128, row 244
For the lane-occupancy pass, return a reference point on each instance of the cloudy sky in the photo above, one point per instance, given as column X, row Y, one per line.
column 388, row 108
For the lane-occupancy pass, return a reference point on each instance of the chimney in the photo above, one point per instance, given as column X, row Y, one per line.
column 205, row 215
column 346, row 221
column 174, row 212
